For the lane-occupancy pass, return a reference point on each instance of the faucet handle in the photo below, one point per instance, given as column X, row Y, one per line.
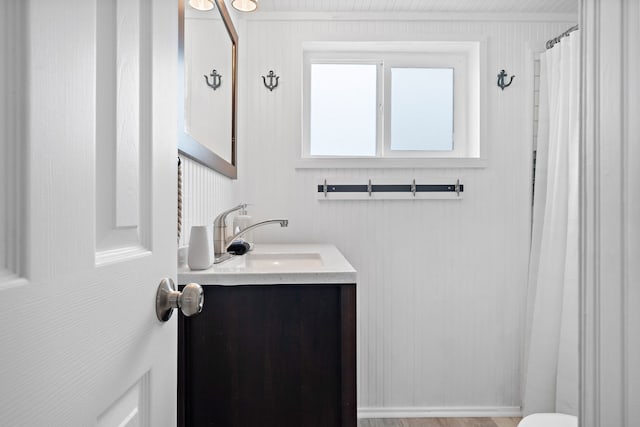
column 220, row 220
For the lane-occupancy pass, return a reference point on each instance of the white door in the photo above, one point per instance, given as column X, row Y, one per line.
column 88, row 214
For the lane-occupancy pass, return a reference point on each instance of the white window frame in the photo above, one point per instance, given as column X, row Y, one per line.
column 467, row 59
column 340, row 58
column 457, row 62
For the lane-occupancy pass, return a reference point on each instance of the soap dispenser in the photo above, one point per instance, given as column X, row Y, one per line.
column 240, row 222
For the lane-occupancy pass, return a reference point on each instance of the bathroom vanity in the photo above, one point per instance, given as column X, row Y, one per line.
column 275, row 344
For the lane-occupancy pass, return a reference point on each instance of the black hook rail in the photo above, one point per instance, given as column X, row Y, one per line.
column 391, row 188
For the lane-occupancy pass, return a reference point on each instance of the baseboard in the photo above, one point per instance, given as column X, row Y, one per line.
column 441, row 412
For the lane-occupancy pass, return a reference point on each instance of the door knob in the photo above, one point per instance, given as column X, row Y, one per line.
column 189, row 301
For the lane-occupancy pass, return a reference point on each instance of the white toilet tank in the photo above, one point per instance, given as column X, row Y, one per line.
column 549, row 420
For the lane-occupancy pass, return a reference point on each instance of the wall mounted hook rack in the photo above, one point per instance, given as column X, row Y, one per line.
column 450, row 188
column 216, row 80
column 501, row 83
column 273, row 80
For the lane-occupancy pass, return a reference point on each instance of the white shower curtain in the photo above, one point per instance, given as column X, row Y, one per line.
column 550, row 382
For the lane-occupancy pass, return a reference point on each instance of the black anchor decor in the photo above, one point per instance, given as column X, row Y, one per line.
column 217, row 80
column 501, row 83
column 271, row 76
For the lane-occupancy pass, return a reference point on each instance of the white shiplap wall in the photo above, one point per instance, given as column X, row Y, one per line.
column 205, row 194
column 441, row 284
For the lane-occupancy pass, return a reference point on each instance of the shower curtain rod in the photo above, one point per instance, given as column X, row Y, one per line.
column 551, row 43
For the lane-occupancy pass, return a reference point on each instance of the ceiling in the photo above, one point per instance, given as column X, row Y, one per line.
column 480, row 6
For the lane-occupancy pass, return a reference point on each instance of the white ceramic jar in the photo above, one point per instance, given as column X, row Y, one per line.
column 201, row 253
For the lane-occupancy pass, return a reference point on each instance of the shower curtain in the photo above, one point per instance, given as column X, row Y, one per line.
column 550, row 382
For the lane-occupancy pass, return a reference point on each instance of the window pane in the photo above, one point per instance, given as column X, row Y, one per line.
column 422, row 109
column 343, row 110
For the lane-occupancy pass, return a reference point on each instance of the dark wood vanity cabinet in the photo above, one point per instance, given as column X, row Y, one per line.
column 281, row 355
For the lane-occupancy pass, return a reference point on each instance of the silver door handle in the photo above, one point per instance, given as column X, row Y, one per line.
column 189, row 301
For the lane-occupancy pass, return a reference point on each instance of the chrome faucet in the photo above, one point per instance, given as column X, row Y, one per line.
column 282, row 222
column 220, row 230
column 220, row 240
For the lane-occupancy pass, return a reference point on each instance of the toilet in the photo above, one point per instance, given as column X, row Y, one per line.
column 549, row 420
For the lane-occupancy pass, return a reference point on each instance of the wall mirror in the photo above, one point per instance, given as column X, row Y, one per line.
column 207, row 84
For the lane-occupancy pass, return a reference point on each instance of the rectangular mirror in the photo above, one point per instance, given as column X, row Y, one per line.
column 207, row 84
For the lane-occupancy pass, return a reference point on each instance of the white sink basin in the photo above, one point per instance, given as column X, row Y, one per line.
column 272, row 264
column 284, row 261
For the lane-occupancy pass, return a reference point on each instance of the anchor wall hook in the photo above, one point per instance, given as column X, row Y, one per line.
column 217, row 80
column 271, row 76
column 501, row 83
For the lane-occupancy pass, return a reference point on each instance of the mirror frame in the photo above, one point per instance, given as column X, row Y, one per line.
column 187, row 145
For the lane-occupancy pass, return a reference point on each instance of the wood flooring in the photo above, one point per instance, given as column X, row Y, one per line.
column 440, row 422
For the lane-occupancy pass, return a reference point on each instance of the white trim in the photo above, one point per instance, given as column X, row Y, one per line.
column 466, row 57
column 440, row 412
column 430, row 43
column 391, row 163
column 631, row 210
column 606, row 382
column 588, row 405
column 569, row 18
column 10, row 280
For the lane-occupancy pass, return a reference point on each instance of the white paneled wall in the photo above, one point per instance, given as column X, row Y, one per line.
column 205, row 194
column 441, row 283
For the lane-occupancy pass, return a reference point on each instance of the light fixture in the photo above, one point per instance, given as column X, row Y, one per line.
column 245, row 5
column 203, row 5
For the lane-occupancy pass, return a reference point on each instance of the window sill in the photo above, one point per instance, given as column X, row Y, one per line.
column 392, row 163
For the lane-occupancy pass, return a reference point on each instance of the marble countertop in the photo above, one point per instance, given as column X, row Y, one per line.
column 274, row 264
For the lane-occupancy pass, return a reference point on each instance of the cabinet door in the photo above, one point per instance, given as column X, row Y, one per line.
column 270, row 356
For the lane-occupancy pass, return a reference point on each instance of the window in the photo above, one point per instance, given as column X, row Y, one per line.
column 421, row 109
column 343, row 101
column 391, row 100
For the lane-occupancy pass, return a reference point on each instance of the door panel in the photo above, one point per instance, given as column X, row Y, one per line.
column 131, row 409
column 93, row 158
column 123, row 128
column 12, row 184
